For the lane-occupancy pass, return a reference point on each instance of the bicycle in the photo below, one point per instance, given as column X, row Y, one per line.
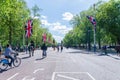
column 4, row 63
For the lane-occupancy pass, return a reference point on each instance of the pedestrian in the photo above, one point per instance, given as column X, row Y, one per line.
column 29, row 49
column 58, row 48
column 61, row 48
column 44, row 48
column 105, row 49
column 26, row 48
column 32, row 46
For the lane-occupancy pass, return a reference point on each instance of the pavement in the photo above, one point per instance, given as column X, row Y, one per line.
column 71, row 64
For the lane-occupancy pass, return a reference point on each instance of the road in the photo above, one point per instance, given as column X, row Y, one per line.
column 70, row 64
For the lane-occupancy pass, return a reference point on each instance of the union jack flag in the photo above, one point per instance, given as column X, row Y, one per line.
column 44, row 37
column 28, row 28
column 92, row 20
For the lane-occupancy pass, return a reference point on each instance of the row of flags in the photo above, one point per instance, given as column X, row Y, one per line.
column 44, row 38
column 29, row 31
column 29, row 28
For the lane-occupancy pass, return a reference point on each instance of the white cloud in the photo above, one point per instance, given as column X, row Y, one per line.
column 45, row 22
column 62, row 29
column 43, row 17
column 58, row 38
column 56, row 28
column 67, row 16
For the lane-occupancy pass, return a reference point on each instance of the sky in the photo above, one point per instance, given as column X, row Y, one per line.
column 56, row 14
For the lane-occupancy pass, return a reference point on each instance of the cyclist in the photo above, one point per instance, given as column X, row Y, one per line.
column 7, row 54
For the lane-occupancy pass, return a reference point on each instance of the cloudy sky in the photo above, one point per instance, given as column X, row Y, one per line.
column 56, row 14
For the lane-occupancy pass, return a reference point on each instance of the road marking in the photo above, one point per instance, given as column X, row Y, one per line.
column 53, row 76
column 13, row 76
column 90, row 76
column 49, row 61
column 67, row 77
column 59, row 75
column 25, row 78
column 38, row 70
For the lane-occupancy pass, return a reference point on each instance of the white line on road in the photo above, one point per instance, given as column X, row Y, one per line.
column 26, row 78
column 51, row 61
column 38, row 70
column 90, row 76
column 58, row 74
column 53, row 76
column 67, row 77
column 13, row 76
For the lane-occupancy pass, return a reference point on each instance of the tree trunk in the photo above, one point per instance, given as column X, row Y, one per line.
column 10, row 34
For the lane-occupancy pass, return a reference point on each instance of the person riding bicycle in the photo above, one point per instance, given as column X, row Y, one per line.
column 8, row 52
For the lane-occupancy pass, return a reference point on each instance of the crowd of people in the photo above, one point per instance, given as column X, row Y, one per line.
column 28, row 49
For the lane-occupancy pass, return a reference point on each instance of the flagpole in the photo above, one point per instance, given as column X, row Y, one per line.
column 94, row 38
column 94, row 32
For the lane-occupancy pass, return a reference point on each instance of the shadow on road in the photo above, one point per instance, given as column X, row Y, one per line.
column 1, row 71
column 25, row 57
column 114, row 57
column 40, row 59
column 78, row 52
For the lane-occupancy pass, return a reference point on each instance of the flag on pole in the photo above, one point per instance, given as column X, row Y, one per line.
column 44, row 37
column 28, row 28
column 92, row 20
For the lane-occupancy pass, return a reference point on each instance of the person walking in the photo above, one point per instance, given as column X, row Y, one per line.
column 61, row 48
column 44, row 48
column 32, row 46
column 58, row 48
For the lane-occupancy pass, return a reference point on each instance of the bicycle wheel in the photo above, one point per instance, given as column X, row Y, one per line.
column 3, row 64
column 17, row 62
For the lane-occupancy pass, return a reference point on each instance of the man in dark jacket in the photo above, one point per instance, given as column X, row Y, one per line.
column 44, row 48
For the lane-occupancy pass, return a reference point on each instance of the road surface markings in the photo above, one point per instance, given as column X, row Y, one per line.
column 27, row 78
column 90, row 76
column 59, row 75
column 50, row 61
column 40, row 69
column 67, row 77
column 13, row 76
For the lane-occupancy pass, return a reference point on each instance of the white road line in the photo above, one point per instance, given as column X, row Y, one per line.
column 13, row 76
column 50, row 61
column 38, row 70
column 71, row 72
column 90, row 76
column 67, row 77
column 53, row 76
column 26, row 78
column 57, row 73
